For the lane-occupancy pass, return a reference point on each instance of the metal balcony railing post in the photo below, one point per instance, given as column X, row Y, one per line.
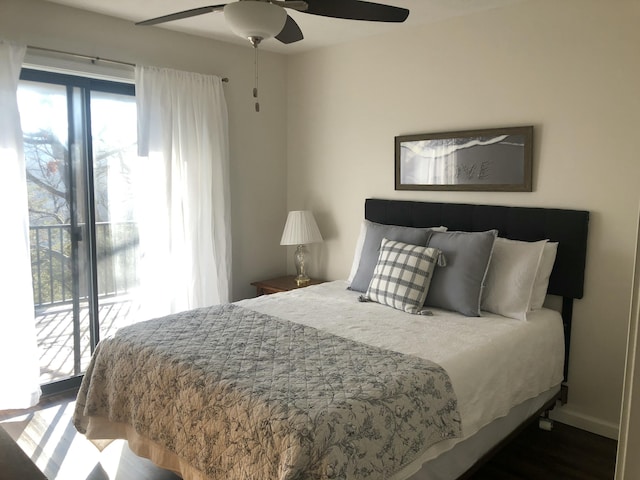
column 117, row 262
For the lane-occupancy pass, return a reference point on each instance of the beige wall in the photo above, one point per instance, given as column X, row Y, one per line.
column 569, row 68
column 257, row 141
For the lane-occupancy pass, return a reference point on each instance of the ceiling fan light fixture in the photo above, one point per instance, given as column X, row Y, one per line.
column 254, row 18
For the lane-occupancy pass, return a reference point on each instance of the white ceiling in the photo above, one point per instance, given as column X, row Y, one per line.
column 318, row 31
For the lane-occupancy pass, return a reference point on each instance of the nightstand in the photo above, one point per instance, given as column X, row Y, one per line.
column 281, row 284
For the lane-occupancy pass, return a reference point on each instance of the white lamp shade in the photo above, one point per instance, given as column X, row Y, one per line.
column 255, row 19
column 301, row 228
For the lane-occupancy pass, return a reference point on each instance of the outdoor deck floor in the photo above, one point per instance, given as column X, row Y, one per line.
column 54, row 329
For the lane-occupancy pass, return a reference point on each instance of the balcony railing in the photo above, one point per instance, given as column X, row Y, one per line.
column 62, row 329
column 116, row 252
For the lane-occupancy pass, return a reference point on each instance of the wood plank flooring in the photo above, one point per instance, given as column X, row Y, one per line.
column 565, row 453
column 46, row 434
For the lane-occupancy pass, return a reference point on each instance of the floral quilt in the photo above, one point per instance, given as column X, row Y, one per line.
column 243, row 395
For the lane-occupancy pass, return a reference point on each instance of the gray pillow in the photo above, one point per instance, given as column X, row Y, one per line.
column 371, row 248
column 458, row 285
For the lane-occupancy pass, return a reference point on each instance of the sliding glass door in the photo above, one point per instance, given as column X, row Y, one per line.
column 80, row 145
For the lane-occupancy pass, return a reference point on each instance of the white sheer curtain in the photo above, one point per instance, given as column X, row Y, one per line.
column 184, row 219
column 19, row 363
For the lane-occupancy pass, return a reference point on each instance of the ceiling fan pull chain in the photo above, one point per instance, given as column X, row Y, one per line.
column 255, row 88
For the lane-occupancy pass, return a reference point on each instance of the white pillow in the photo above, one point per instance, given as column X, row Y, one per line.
column 542, row 277
column 358, row 253
column 511, row 276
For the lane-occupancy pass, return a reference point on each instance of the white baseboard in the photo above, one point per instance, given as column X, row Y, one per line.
column 585, row 422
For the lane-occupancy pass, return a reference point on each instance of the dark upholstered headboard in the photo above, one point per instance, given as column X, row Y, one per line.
column 567, row 227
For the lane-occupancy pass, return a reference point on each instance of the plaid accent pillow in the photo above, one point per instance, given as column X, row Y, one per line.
column 402, row 275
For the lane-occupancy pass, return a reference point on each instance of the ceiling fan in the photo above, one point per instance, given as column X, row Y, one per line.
column 258, row 20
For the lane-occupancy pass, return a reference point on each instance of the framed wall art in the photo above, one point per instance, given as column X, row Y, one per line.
column 496, row 159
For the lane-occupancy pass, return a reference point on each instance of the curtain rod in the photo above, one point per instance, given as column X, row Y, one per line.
column 89, row 57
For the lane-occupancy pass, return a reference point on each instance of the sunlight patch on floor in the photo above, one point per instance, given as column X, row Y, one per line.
column 49, row 438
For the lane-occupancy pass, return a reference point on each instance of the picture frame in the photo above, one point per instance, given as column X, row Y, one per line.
column 494, row 159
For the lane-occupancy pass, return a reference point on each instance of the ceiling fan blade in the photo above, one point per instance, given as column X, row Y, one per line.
column 299, row 5
column 357, row 10
column 290, row 32
column 180, row 15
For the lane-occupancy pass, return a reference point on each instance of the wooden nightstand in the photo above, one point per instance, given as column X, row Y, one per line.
column 281, row 284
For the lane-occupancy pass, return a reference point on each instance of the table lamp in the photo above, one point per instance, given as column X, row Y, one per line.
column 300, row 229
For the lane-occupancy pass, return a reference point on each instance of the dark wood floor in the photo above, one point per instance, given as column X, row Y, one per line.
column 565, row 453
column 47, row 436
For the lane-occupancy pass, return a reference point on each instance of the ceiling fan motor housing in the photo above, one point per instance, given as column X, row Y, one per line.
column 255, row 18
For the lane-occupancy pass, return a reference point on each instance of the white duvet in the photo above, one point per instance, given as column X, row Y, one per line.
column 494, row 362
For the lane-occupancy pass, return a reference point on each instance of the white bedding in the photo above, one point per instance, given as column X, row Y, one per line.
column 494, row 363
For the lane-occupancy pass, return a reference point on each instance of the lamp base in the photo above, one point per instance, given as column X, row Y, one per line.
column 299, row 258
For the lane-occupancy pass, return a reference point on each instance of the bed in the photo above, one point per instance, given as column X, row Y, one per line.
column 334, row 381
